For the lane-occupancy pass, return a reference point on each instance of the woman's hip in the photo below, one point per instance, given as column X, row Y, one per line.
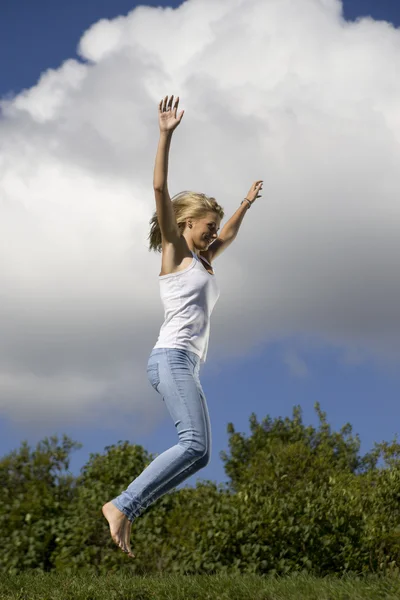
column 174, row 374
column 172, row 367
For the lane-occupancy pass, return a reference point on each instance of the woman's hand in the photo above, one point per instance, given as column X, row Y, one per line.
column 253, row 194
column 167, row 119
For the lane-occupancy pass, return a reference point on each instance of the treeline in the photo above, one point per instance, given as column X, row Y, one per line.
column 298, row 499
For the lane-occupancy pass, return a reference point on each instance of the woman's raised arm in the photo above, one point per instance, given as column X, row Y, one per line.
column 168, row 121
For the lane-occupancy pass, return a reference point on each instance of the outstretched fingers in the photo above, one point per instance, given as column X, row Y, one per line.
column 176, row 105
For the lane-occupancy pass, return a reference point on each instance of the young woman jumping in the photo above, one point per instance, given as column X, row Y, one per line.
column 185, row 230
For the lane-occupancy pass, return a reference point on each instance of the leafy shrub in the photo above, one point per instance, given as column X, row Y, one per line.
column 299, row 499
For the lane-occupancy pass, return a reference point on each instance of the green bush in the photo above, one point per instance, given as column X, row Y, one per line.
column 299, row 499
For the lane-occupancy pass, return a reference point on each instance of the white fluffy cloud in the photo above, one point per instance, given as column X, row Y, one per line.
column 280, row 90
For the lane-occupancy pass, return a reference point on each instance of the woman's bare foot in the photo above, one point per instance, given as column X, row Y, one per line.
column 120, row 527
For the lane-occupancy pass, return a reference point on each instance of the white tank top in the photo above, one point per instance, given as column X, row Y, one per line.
column 188, row 297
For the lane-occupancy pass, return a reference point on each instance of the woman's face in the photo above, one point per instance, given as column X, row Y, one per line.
column 204, row 231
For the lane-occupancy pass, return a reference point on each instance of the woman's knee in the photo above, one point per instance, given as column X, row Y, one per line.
column 201, row 452
column 204, row 458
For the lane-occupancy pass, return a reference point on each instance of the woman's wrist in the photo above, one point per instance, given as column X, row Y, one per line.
column 166, row 134
column 247, row 202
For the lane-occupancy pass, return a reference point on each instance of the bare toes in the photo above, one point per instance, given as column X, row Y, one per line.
column 127, row 538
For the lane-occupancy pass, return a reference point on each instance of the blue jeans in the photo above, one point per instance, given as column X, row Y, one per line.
column 174, row 374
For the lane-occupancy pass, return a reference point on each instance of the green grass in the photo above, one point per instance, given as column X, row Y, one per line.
column 202, row 587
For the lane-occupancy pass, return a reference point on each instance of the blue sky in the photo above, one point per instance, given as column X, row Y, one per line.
column 36, row 36
column 41, row 35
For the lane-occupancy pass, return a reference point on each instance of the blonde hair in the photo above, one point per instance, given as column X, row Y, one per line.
column 185, row 204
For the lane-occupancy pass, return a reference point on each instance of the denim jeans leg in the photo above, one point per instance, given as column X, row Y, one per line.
column 174, row 374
